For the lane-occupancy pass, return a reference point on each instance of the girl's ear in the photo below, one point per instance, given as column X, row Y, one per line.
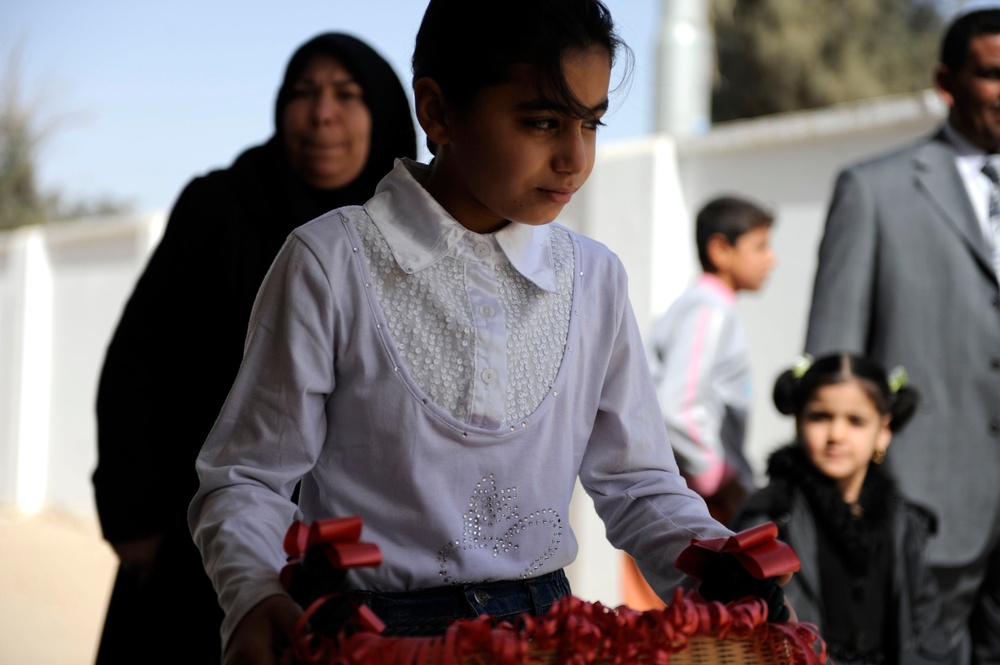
column 431, row 109
column 884, row 437
column 799, row 430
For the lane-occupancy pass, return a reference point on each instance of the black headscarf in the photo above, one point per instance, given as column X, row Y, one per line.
column 392, row 133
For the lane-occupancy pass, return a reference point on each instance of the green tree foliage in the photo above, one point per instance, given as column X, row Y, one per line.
column 20, row 201
column 786, row 55
column 23, row 130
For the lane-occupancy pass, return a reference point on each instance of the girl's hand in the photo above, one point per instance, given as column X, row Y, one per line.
column 264, row 634
column 792, row 616
column 725, row 579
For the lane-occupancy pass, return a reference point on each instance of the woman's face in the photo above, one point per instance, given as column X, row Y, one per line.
column 327, row 126
column 841, row 430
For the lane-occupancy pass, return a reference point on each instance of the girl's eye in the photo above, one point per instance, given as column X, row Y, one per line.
column 543, row 124
column 548, row 124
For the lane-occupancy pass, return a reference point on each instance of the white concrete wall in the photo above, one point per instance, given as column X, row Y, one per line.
column 62, row 286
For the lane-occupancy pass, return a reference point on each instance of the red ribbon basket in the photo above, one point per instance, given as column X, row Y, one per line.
column 689, row 630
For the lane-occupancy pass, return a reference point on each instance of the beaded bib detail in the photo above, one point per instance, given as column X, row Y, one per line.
column 431, row 323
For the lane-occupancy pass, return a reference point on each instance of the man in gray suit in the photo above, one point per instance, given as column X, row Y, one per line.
column 907, row 275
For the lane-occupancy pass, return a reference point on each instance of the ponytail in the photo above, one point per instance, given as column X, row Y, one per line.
column 890, row 393
column 902, row 406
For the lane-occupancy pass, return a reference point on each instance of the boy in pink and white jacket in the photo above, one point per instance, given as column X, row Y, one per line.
column 700, row 360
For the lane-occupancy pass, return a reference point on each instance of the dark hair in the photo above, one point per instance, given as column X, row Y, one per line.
column 730, row 217
column 467, row 45
column 955, row 45
column 793, row 389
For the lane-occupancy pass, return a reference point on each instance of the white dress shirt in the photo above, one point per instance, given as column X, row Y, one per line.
column 970, row 160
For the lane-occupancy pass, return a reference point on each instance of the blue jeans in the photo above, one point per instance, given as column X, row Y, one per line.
column 430, row 611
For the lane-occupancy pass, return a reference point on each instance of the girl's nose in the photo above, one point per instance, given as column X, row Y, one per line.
column 573, row 150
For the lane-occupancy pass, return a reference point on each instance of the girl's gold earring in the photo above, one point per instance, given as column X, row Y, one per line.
column 878, row 456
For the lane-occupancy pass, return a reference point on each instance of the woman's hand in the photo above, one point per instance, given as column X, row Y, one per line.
column 262, row 637
column 138, row 557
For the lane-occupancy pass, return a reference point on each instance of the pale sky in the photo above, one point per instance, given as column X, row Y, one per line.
column 149, row 94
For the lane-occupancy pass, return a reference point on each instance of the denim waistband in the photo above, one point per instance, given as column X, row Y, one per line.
column 429, row 611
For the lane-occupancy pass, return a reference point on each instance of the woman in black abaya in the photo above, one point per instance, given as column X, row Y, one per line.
column 341, row 118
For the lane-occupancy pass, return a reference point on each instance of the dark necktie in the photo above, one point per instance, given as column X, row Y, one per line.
column 992, row 171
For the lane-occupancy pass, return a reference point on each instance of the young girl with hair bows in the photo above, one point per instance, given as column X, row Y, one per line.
column 864, row 580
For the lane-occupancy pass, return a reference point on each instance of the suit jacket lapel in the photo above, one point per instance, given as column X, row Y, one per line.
column 937, row 177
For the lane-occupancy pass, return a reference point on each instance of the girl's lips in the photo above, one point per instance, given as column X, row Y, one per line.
column 835, row 456
column 560, row 196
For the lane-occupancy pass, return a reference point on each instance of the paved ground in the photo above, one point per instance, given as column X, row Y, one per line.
column 57, row 576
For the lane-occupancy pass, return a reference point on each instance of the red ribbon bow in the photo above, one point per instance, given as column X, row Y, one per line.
column 757, row 549
column 340, row 539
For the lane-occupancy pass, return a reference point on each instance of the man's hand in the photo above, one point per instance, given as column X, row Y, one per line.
column 263, row 635
column 138, row 557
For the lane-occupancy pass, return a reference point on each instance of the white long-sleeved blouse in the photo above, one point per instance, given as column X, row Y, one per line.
column 448, row 387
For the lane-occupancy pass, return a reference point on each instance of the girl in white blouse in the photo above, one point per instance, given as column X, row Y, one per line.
column 445, row 362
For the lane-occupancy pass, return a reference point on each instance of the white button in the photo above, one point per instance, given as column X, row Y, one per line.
column 483, row 250
column 489, row 375
column 487, row 311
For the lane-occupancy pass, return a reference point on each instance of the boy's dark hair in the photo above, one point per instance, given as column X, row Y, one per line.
column 467, row 45
column 730, row 217
column 794, row 387
column 955, row 45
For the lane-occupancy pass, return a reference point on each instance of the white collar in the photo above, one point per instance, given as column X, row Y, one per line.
column 419, row 231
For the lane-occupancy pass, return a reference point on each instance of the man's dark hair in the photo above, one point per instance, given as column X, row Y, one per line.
column 955, row 45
